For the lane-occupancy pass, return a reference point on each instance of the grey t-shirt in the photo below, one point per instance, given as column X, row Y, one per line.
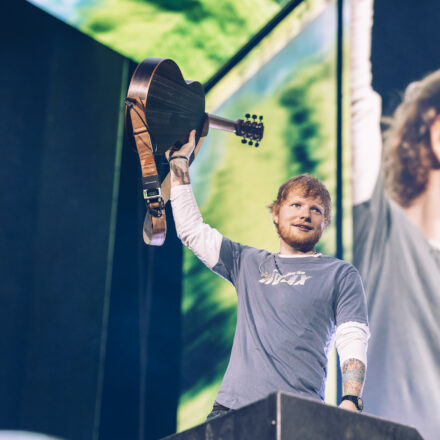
column 401, row 271
column 286, row 321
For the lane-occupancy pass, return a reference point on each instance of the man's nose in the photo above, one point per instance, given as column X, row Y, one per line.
column 305, row 213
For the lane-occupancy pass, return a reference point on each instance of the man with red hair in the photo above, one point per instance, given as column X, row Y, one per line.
column 290, row 304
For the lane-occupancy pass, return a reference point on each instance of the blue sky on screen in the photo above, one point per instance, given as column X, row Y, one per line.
column 66, row 10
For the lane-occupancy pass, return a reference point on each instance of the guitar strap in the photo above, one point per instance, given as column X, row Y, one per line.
column 155, row 227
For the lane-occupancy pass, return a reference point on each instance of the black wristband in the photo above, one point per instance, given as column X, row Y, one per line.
column 177, row 157
column 355, row 399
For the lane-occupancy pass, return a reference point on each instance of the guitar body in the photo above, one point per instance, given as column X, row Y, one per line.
column 173, row 106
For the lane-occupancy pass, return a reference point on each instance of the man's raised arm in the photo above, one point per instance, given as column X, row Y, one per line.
column 203, row 240
column 365, row 104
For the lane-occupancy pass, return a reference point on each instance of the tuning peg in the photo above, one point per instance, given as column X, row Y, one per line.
column 257, row 144
column 251, row 143
column 261, row 118
column 254, row 116
column 247, row 115
column 243, row 141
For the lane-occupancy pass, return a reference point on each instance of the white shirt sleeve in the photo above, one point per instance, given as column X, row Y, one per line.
column 203, row 240
column 352, row 341
column 366, row 138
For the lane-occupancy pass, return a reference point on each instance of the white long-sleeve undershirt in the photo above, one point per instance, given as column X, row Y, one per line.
column 203, row 240
column 352, row 341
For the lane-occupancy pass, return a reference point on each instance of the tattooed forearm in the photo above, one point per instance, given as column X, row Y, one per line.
column 179, row 172
column 353, row 375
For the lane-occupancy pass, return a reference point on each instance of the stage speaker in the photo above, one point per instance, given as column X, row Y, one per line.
column 282, row 416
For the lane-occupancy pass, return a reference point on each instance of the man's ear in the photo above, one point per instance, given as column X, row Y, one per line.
column 275, row 214
column 435, row 137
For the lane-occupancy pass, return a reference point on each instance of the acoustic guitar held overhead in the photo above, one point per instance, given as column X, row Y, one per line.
column 161, row 109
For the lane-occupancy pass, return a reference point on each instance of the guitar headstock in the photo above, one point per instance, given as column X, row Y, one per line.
column 250, row 129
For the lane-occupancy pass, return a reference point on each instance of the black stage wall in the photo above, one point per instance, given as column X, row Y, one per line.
column 90, row 316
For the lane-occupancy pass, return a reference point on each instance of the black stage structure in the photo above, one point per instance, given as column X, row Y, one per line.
column 90, row 340
column 284, row 416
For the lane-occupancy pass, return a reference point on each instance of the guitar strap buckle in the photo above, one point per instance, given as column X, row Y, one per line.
column 153, row 195
column 156, row 207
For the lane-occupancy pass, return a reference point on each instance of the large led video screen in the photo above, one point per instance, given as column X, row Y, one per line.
column 200, row 35
column 395, row 133
column 290, row 79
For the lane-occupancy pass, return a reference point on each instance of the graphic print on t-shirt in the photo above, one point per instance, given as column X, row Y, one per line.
column 297, row 278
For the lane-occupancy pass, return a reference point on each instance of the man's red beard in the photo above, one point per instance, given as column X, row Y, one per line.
column 301, row 241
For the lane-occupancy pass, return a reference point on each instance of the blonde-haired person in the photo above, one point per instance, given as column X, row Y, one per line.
column 396, row 198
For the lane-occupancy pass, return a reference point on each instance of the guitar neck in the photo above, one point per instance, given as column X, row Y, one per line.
column 222, row 123
column 250, row 130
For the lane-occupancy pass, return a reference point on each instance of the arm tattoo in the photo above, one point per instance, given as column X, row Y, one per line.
column 179, row 171
column 353, row 375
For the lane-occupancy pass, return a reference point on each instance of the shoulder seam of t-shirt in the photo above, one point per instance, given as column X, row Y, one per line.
column 351, row 269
